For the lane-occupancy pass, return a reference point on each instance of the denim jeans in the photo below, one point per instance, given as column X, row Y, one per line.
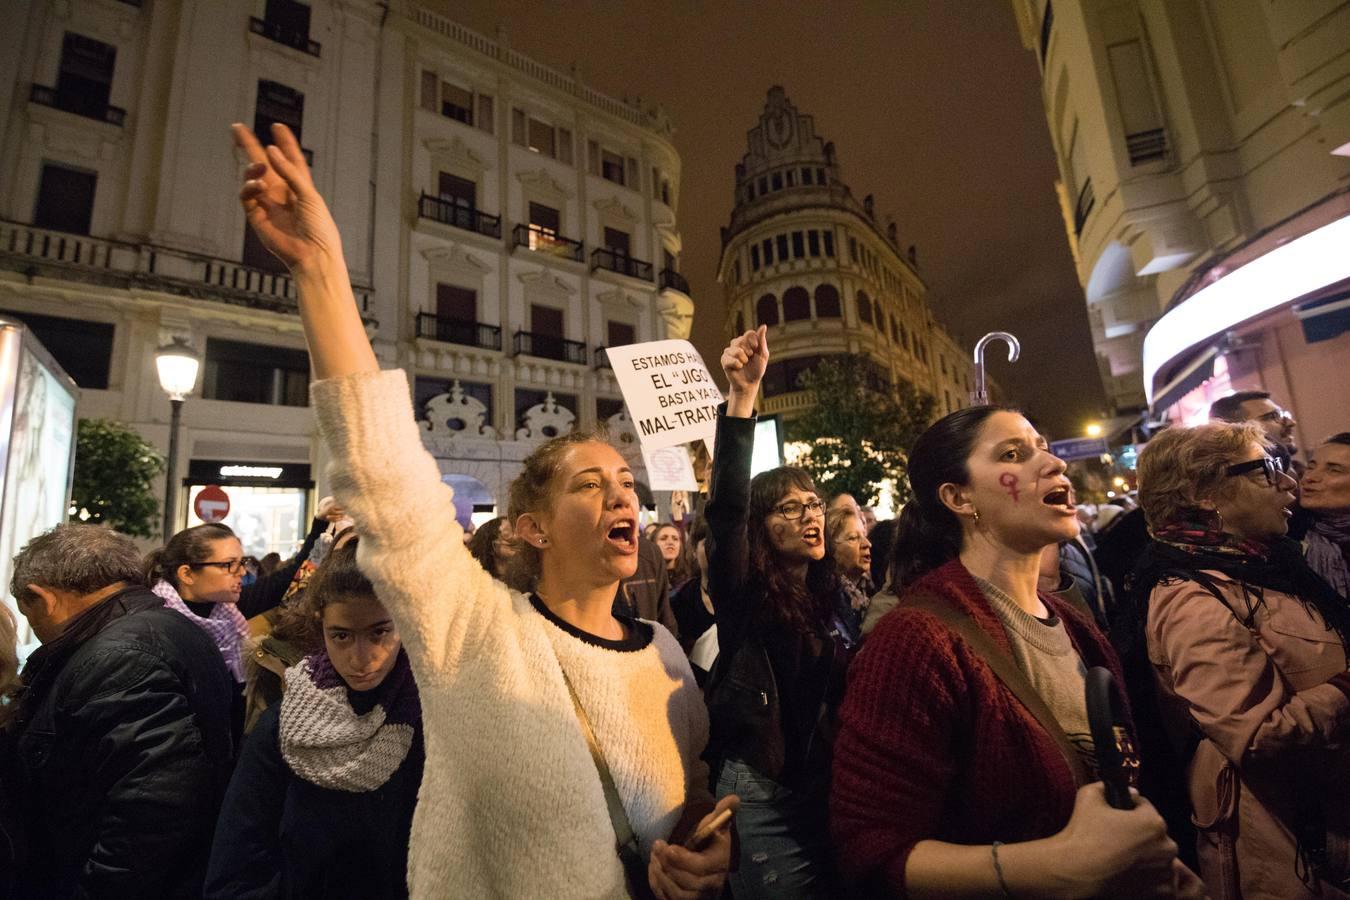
column 784, row 838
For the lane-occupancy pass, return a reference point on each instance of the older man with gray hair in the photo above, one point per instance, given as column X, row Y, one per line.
column 121, row 746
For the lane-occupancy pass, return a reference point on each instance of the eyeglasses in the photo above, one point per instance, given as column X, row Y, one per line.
column 795, row 509
column 1271, row 467
column 231, row 566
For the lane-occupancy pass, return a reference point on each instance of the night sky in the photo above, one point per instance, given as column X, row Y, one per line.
column 933, row 106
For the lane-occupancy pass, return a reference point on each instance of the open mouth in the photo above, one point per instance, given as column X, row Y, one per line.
column 1062, row 498
column 623, row 534
column 811, row 535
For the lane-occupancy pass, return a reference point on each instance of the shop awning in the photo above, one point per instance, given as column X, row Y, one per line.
column 1326, row 318
column 1188, row 379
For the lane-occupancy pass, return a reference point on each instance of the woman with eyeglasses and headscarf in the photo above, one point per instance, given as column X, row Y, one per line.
column 1248, row 647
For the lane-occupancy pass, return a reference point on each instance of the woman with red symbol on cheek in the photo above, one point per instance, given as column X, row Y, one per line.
column 552, row 724
column 945, row 785
column 785, row 633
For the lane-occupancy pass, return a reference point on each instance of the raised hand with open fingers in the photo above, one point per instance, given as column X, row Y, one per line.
column 282, row 205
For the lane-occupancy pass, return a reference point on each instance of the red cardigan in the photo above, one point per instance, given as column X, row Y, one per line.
column 933, row 746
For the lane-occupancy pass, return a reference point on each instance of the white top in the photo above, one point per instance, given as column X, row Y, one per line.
column 510, row 804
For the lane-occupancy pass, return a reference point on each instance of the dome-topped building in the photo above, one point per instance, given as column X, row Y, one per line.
column 806, row 258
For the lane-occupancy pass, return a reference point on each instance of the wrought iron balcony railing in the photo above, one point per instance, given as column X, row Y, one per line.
column 460, row 215
column 1083, row 208
column 674, row 281
column 291, row 37
column 459, row 331
column 548, row 346
column 620, row 262
column 79, row 105
column 544, row 240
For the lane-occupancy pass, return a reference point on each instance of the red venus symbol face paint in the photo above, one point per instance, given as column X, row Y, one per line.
column 1009, row 482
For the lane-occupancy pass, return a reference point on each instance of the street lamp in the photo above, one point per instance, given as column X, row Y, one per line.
column 1094, row 430
column 177, row 364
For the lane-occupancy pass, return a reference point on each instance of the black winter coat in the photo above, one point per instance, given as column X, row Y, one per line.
column 280, row 836
column 773, row 692
column 120, row 753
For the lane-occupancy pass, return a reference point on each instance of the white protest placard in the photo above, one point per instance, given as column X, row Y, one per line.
column 669, row 469
column 671, row 396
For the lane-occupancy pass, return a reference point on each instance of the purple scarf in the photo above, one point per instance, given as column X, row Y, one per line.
column 1328, row 549
column 226, row 626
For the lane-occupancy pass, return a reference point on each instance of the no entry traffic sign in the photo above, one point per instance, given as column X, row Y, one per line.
column 212, row 504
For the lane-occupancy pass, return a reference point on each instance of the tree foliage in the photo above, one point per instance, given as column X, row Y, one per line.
column 115, row 472
column 859, row 431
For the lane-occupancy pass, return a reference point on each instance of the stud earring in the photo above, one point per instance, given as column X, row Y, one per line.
column 977, row 515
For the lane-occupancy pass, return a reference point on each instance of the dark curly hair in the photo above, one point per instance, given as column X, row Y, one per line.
column 801, row 606
column 337, row 580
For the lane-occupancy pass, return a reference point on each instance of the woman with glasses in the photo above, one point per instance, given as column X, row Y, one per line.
column 1249, row 647
column 785, row 636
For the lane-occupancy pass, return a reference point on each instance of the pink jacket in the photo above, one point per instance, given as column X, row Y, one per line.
column 1269, row 700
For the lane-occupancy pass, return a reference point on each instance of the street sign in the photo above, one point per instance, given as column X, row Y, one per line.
column 212, row 504
column 1079, row 448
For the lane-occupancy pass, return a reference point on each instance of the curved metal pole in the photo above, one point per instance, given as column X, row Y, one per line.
column 980, row 396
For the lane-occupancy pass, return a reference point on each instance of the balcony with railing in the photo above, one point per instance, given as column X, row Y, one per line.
column 80, row 105
column 620, row 262
column 1146, row 146
column 459, row 215
column 549, row 346
column 284, row 34
column 549, row 242
column 1083, row 208
column 459, row 331
column 601, row 358
column 119, row 264
column 670, row 280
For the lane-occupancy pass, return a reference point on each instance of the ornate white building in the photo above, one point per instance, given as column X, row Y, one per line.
column 803, row 256
column 503, row 223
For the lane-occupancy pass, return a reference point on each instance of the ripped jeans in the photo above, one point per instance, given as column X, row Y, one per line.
column 784, row 838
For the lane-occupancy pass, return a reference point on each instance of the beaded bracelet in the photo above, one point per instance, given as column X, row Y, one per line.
column 998, row 868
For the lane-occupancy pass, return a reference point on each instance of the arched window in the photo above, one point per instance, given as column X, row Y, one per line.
column 864, row 307
column 827, row 302
column 740, row 323
column 796, row 304
column 766, row 310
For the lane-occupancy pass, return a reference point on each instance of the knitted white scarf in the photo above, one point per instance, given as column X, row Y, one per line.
column 226, row 626
column 326, row 743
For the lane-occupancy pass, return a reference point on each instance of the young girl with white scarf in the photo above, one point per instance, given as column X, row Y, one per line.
column 336, row 765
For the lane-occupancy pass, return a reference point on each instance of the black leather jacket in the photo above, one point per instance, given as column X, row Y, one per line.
column 773, row 692
column 120, row 753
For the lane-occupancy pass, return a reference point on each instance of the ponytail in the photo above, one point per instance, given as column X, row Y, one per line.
column 191, row 545
column 929, row 534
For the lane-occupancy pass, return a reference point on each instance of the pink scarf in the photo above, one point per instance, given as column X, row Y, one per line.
column 226, row 626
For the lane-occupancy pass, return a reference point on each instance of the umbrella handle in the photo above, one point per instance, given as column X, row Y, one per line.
column 980, row 396
column 1103, row 716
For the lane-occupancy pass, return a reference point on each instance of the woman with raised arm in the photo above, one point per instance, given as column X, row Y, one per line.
column 785, row 634
column 946, row 783
column 537, row 707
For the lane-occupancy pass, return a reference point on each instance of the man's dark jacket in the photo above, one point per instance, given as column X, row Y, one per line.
column 120, row 753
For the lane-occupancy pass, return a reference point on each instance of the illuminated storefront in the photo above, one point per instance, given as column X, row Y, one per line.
column 270, row 503
column 1272, row 315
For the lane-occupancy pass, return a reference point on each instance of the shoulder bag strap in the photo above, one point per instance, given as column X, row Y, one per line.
column 623, row 830
column 1005, row 667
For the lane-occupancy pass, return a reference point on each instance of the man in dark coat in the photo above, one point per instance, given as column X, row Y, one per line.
column 121, row 747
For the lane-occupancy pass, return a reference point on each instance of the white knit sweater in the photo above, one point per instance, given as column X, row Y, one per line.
column 510, row 804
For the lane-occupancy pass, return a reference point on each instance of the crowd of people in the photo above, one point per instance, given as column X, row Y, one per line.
column 779, row 697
